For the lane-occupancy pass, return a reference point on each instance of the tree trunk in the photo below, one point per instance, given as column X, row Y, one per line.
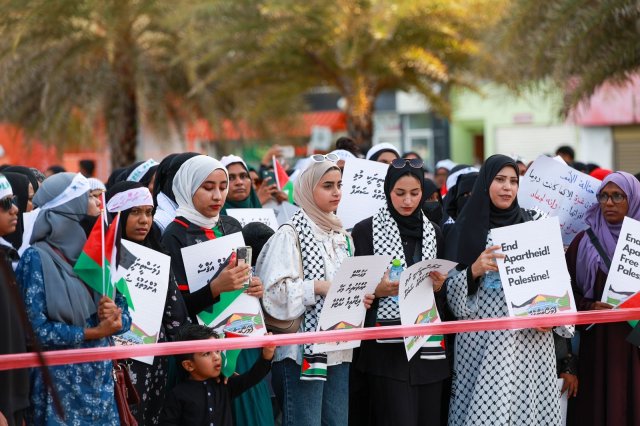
column 122, row 121
column 360, row 99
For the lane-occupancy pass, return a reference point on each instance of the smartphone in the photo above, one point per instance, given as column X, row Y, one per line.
column 264, row 174
column 243, row 255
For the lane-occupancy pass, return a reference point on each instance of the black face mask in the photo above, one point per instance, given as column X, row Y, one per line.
column 433, row 211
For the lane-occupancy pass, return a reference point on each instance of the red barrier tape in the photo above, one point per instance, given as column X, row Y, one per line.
column 72, row 356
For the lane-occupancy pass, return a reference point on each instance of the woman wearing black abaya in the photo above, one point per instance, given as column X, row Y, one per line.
column 399, row 391
column 502, row 377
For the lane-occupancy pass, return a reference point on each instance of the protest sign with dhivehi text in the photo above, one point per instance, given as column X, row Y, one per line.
column 623, row 279
column 534, row 272
column 343, row 306
column 147, row 274
column 362, row 190
column 554, row 189
column 263, row 215
column 418, row 304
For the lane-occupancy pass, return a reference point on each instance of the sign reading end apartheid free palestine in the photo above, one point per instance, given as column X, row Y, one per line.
column 362, row 190
column 534, row 273
column 147, row 274
column 343, row 306
column 623, row 280
column 418, row 304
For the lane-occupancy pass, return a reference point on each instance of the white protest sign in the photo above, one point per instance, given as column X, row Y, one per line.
column 28, row 221
column 418, row 304
column 237, row 314
column 147, row 274
column 534, row 273
column 362, row 190
column 264, row 215
column 623, row 279
column 557, row 190
column 202, row 261
column 343, row 307
column 283, row 211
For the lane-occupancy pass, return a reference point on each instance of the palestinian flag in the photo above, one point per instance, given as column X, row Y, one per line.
column 97, row 263
column 282, row 179
column 631, row 302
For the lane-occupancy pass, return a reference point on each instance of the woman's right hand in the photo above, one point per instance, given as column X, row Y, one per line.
column 231, row 278
column 600, row 306
column 267, row 190
column 486, row 262
column 386, row 288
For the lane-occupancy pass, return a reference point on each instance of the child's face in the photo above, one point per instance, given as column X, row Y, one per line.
column 205, row 365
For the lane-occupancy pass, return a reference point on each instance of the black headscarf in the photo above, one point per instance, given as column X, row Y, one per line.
column 256, row 235
column 145, row 179
column 176, row 163
column 468, row 237
column 114, row 177
column 456, row 196
column 161, row 176
column 151, row 240
column 20, row 186
column 410, row 226
column 433, row 210
column 26, row 171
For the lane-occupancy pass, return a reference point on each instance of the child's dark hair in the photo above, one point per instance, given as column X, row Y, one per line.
column 189, row 332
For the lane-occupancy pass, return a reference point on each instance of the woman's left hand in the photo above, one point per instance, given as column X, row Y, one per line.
column 368, row 300
column 255, row 287
column 106, row 308
column 438, row 280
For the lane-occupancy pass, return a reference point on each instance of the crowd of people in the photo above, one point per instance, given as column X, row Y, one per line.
column 504, row 377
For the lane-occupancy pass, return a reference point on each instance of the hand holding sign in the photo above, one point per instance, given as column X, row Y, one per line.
column 486, row 262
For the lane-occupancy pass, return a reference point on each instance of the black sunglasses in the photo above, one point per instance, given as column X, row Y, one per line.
column 7, row 202
column 399, row 163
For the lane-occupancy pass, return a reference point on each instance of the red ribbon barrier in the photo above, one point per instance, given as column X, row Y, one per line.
column 72, row 356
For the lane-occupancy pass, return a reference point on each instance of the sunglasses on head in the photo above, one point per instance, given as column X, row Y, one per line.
column 319, row 158
column 7, row 202
column 399, row 163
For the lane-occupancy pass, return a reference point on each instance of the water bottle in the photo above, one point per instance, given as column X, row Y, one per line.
column 394, row 273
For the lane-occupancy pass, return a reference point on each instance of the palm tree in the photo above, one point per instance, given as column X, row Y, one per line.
column 72, row 69
column 266, row 53
column 577, row 44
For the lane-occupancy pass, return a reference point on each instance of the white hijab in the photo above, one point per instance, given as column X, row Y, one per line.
column 187, row 181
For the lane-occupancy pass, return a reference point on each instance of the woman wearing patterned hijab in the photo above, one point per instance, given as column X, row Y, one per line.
column 390, row 389
column 297, row 266
column 503, row 377
column 609, row 365
column 66, row 313
column 200, row 188
column 135, row 204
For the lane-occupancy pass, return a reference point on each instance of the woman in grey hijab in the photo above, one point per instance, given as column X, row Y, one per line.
column 65, row 313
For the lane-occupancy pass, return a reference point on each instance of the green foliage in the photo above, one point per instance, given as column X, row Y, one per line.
column 71, row 69
column 263, row 54
column 577, row 44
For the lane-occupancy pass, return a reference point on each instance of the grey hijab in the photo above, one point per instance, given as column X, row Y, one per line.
column 59, row 239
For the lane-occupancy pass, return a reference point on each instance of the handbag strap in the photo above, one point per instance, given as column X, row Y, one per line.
column 596, row 243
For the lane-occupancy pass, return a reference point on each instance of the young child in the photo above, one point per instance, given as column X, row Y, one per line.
column 205, row 398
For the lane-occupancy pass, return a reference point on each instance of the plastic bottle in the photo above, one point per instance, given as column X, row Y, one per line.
column 394, row 273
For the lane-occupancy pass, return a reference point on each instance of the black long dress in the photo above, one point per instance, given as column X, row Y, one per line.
column 415, row 386
column 609, row 371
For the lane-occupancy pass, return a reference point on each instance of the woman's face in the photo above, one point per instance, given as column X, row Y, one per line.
column 139, row 223
column 93, row 205
column 504, row 188
column 211, row 195
column 239, row 182
column 387, row 157
column 328, row 191
column 614, row 213
column 30, row 198
column 406, row 195
column 8, row 219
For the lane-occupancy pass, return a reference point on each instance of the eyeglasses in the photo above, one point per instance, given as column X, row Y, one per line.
column 616, row 198
column 399, row 163
column 319, row 158
column 7, row 202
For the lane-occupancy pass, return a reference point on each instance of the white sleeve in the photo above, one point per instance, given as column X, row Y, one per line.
column 286, row 294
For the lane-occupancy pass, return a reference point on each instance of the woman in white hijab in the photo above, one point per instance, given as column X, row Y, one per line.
column 297, row 266
column 200, row 188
